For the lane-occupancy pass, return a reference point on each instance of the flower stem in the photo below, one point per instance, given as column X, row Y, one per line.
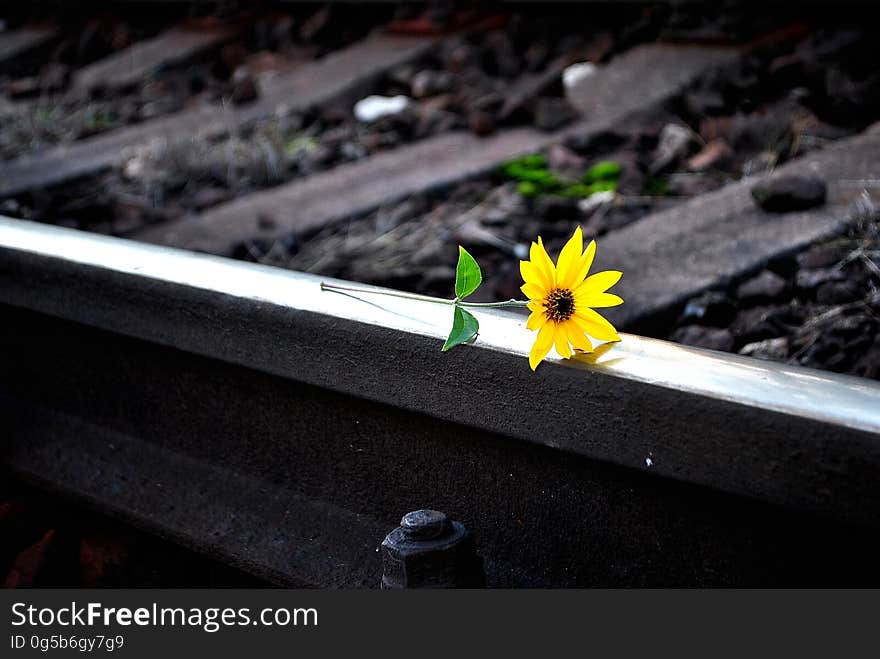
column 407, row 296
column 422, row 298
column 495, row 305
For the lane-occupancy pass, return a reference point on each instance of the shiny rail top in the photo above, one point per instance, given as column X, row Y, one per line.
column 823, row 396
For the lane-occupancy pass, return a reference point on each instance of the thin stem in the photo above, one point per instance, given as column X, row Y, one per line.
column 422, row 298
column 496, row 305
column 407, row 296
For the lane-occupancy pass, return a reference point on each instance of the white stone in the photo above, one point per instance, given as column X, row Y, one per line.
column 372, row 108
column 573, row 74
column 134, row 168
column 595, row 200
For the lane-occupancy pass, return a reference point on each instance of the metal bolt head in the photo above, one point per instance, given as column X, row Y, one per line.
column 425, row 524
column 429, row 550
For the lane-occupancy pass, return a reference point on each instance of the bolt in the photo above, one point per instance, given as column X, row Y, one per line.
column 424, row 524
column 429, row 550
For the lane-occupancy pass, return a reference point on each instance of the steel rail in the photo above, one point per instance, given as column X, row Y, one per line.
column 769, row 434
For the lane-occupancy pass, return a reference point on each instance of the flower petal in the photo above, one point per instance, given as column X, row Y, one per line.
column 561, row 341
column 542, row 345
column 535, row 305
column 532, row 274
column 595, row 325
column 541, row 259
column 536, row 320
column 577, row 338
column 601, row 281
column 569, row 258
column 533, row 291
column 596, row 300
column 584, row 264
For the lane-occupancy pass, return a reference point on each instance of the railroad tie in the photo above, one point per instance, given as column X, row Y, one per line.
column 311, row 84
column 675, row 254
column 604, row 99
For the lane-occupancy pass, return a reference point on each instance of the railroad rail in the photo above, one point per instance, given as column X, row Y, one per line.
column 242, row 411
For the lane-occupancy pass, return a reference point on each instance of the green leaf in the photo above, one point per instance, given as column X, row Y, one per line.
column 607, row 170
column 577, row 191
column 518, row 165
column 527, row 189
column 467, row 274
column 603, row 186
column 464, row 328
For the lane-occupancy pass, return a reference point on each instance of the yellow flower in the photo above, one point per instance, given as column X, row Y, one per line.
column 561, row 297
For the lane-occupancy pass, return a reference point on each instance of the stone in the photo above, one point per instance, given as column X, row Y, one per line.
column 766, row 287
column 375, row 107
column 595, row 201
column 675, row 143
column 790, row 193
column 712, row 338
column 353, row 151
column 822, row 256
column 763, row 164
column 576, row 73
column 135, row 167
column 503, row 203
column 481, row 122
column 839, row 292
column 316, row 158
column 808, row 279
column 710, row 308
column 761, row 323
column 430, row 83
column 772, row 349
column 717, row 154
column 244, row 87
column 552, row 113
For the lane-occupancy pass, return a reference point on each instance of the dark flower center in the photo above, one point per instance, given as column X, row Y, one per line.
column 559, row 305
